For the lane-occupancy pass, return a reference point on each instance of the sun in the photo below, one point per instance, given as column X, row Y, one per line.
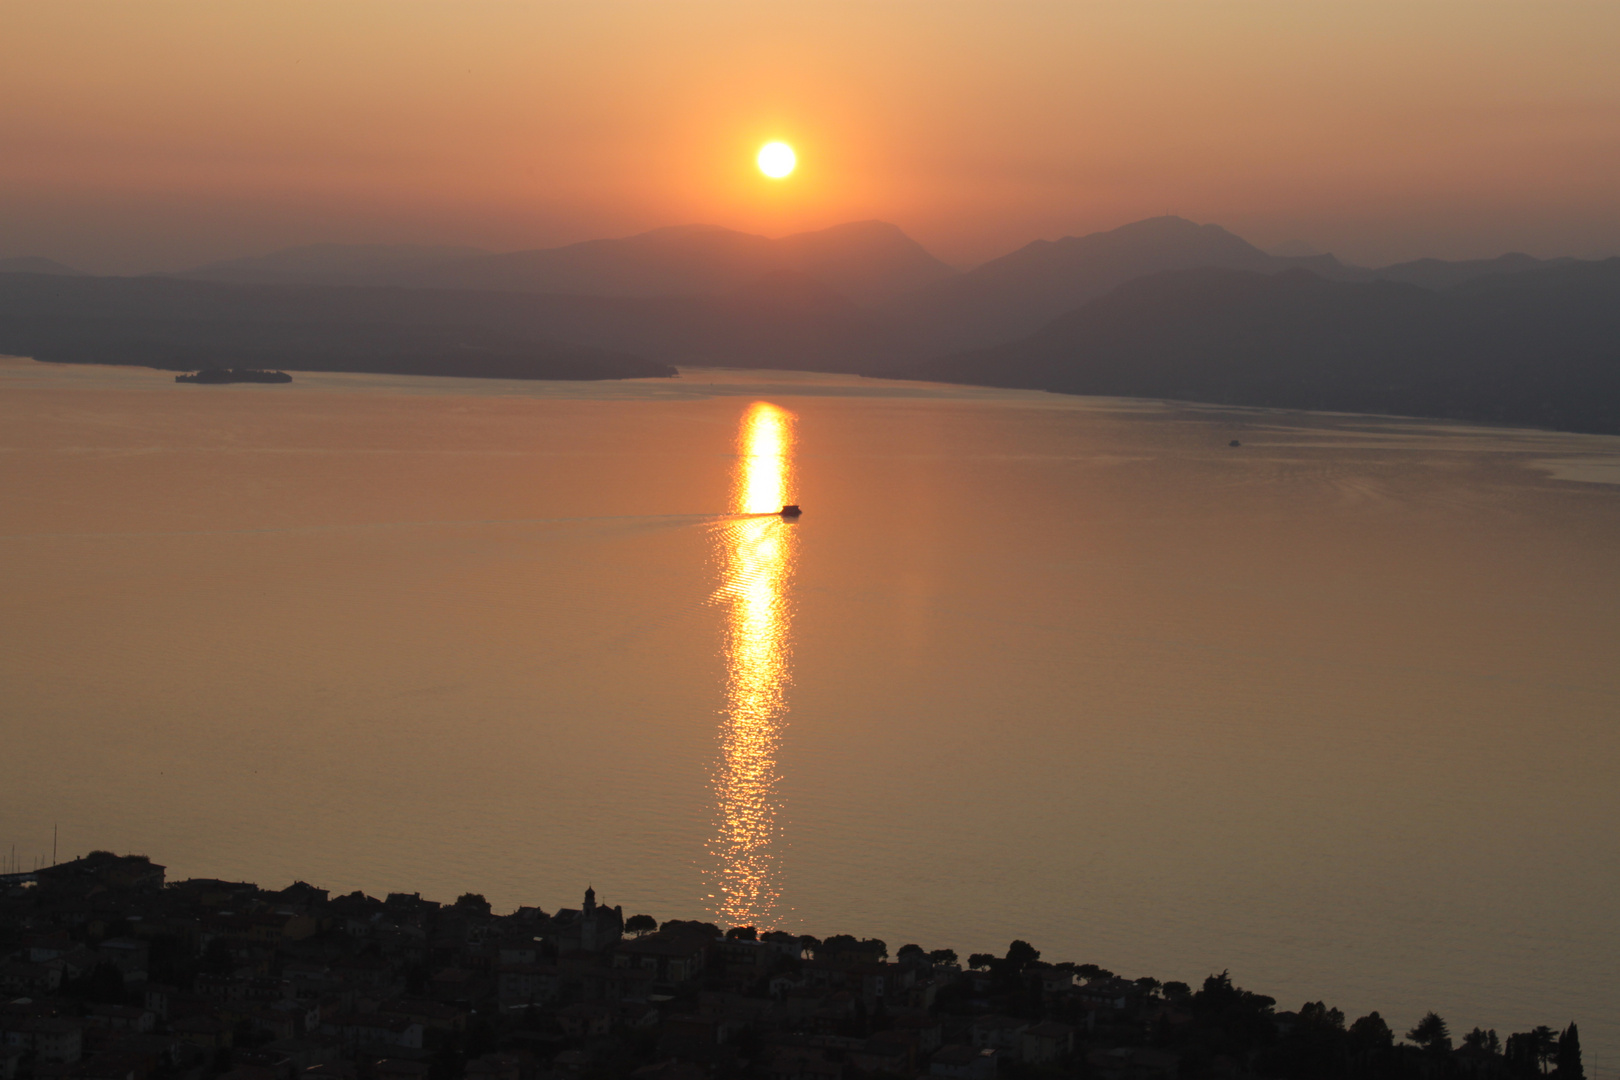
column 776, row 159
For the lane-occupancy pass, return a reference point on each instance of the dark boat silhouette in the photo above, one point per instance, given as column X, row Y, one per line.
column 791, row 510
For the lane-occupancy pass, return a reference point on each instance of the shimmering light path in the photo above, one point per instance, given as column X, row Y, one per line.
column 756, row 559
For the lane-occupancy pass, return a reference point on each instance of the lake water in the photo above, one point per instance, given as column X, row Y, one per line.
column 1337, row 709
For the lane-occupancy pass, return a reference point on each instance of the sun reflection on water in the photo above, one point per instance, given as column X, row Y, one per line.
column 756, row 557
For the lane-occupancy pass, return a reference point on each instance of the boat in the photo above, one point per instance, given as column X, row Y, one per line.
column 791, row 510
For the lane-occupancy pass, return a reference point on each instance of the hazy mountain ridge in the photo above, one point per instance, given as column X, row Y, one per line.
column 36, row 264
column 1540, row 347
column 784, row 320
column 1017, row 294
column 867, row 261
column 871, row 263
column 184, row 325
column 332, row 264
column 1441, row 274
column 754, row 311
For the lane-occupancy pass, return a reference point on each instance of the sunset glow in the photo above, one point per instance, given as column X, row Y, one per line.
column 161, row 136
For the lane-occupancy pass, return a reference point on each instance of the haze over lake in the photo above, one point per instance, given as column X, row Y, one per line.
column 1335, row 709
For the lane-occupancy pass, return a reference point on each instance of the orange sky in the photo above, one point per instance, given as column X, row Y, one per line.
column 153, row 134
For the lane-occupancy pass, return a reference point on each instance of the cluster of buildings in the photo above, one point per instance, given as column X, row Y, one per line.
column 109, row 973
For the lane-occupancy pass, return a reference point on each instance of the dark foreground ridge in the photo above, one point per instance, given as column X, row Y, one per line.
column 111, row 974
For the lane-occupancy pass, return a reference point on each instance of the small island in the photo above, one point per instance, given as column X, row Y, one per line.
column 234, row 375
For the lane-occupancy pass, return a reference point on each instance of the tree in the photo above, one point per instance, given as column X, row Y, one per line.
column 1370, row 1032
column 1431, row 1033
column 1569, row 1065
column 1316, row 1014
column 909, row 950
column 1148, row 984
column 849, row 944
column 1245, row 1019
column 473, row 900
column 1521, row 1053
column 1177, row 991
column 980, row 960
column 943, row 956
column 1021, row 953
column 692, row 926
column 742, row 933
column 640, row 924
column 1543, row 1045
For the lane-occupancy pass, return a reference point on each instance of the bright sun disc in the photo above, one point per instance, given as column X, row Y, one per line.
column 776, row 159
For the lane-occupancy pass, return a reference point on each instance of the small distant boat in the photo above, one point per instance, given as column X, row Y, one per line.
column 791, row 510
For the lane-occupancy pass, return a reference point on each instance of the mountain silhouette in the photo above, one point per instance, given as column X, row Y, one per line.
column 871, row 263
column 1514, row 339
column 333, row 264
column 183, row 325
column 1012, row 296
column 784, row 319
column 1440, row 274
column 35, row 264
column 1017, row 294
column 867, row 261
column 1540, row 347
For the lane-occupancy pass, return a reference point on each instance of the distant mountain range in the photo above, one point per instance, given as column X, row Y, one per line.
column 1540, row 347
column 34, row 264
column 1163, row 307
column 334, row 264
column 872, row 264
column 187, row 325
column 868, row 262
column 1015, row 295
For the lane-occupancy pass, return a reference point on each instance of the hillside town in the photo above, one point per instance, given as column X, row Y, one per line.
column 109, row 972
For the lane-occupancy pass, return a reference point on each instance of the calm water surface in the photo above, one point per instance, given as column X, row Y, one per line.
column 1338, row 709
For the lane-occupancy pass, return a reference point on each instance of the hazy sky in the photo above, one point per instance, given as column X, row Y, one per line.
column 152, row 134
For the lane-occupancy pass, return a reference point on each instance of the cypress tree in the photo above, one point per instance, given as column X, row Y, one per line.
column 1569, row 1055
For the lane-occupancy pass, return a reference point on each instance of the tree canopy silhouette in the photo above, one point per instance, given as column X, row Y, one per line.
column 1568, row 1059
column 1022, row 953
column 1431, row 1033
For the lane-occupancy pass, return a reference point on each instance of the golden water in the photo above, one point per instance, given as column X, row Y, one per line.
column 756, row 554
column 1337, row 709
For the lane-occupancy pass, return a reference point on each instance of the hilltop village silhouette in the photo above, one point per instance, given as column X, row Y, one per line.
column 111, row 973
